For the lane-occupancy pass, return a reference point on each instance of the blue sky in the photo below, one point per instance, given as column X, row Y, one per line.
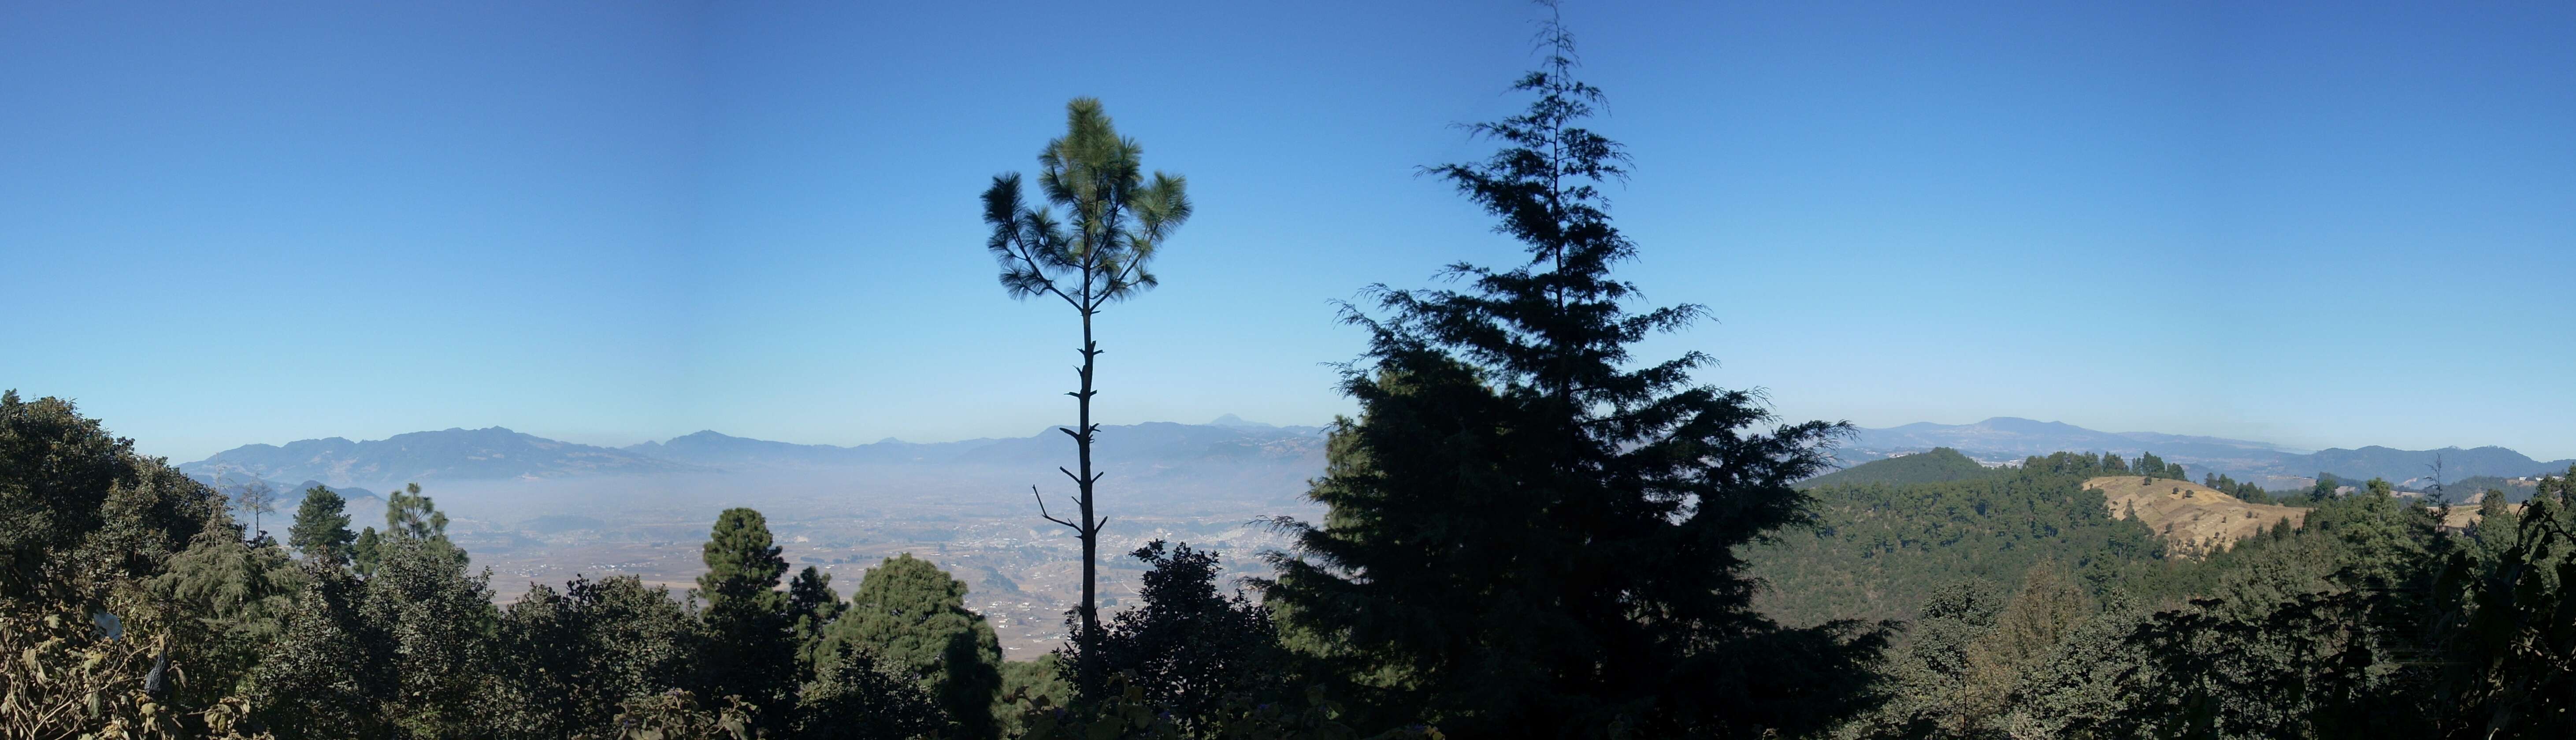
column 2324, row 225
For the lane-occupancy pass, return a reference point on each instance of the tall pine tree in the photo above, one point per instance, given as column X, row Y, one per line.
column 1117, row 220
column 1529, row 535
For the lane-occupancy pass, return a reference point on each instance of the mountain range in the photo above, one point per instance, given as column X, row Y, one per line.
column 495, row 453
column 491, row 453
column 1234, row 449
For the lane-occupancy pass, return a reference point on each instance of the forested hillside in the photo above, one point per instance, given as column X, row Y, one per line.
column 1939, row 465
column 1878, row 550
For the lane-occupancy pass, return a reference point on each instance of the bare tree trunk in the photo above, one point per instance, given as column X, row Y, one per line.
column 1090, row 524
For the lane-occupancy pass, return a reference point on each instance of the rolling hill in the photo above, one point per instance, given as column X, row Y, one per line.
column 1940, row 465
column 2195, row 520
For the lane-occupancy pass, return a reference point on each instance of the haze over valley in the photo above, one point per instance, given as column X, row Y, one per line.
column 537, row 510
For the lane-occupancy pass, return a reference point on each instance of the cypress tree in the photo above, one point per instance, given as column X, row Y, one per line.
column 1527, row 534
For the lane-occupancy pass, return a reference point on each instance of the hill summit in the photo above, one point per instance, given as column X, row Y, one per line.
column 1940, row 465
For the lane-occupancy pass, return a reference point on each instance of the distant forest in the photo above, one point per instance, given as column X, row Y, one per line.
column 1528, row 533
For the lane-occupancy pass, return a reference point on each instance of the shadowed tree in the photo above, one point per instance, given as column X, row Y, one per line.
column 1527, row 534
column 1115, row 221
column 1188, row 646
column 851, row 696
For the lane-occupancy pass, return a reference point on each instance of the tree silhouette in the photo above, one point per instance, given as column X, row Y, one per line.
column 1527, row 535
column 1117, row 220
column 1187, row 645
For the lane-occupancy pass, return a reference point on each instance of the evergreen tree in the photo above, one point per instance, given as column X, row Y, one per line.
column 811, row 607
column 912, row 617
column 366, row 551
column 321, row 529
column 237, row 591
column 411, row 514
column 1119, row 220
column 750, row 651
column 1527, row 537
column 2492, row 504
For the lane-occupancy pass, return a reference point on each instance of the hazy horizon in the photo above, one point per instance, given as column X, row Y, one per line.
column 616, row 442
column 2318, row 227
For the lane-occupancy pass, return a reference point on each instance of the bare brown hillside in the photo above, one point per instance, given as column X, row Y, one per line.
column 2465, row 515
column 2194, row 519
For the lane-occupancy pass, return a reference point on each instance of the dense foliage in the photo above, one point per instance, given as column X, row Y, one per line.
column 1188, row 647
column 2369, row 621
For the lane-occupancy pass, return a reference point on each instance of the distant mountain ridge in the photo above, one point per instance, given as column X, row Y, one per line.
column 496, row 453
column 491, row 453
column 2018, row 436
column 1237, row 450
column 2010, row 438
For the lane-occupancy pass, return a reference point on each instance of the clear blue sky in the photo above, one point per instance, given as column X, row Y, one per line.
column 221, row 223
